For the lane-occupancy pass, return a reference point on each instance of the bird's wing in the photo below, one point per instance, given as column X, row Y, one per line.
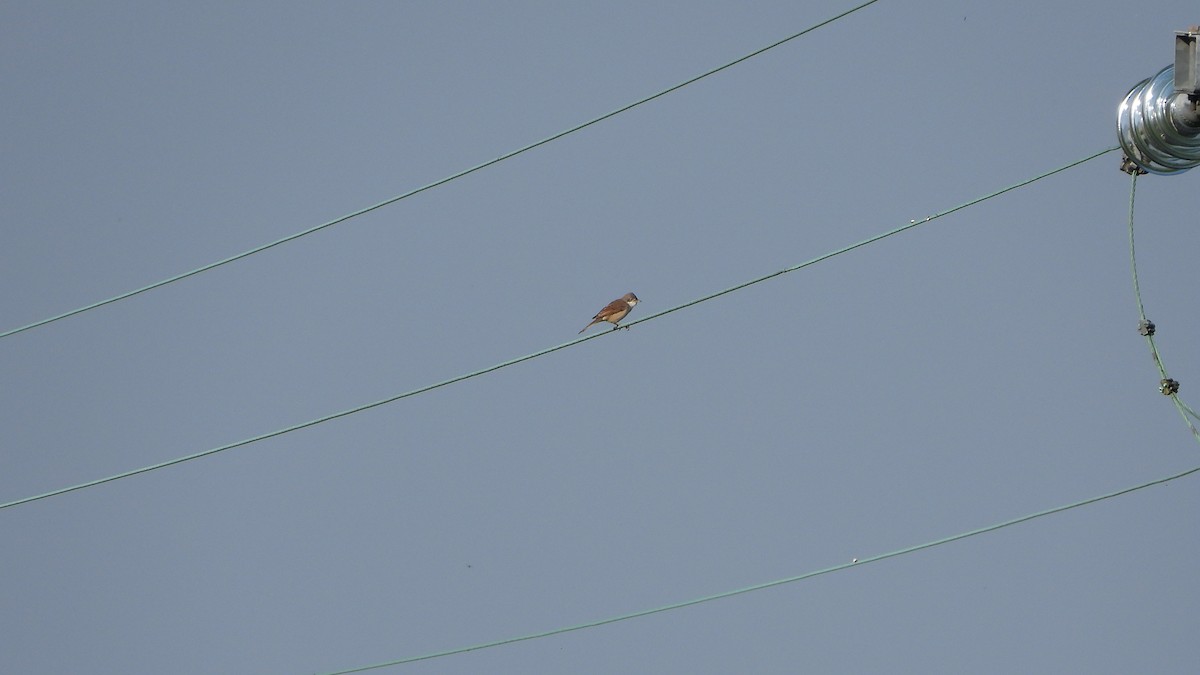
column 614, row 307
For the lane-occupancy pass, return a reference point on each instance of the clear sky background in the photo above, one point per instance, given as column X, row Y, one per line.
column 974, row 369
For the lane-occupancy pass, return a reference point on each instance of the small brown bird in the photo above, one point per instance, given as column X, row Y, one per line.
column 614, row 311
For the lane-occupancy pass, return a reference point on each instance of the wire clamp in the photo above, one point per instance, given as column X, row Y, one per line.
column 1168, row 387
column 1146, row 327
column 1130, row 167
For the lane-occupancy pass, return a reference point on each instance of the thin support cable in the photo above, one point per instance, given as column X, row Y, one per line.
column 443, row 181
column 1188, row 409
column 769, row 584
column 1184, row 409
column 571, row 343
column 911, row 224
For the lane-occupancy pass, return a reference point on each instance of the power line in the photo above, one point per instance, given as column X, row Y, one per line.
column 884, row 235
column 1183, row 408
column 447, row 179
column 1147, row 327
column 769, row 584
column 857, row 562
column 571, row 343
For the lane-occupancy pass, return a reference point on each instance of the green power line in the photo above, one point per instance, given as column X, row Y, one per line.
column 511, row 362
column 1183, row 408
column 769, row 584
column 443, row 181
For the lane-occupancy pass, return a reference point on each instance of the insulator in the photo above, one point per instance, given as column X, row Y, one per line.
column 1148, row 130
column 1158, row 122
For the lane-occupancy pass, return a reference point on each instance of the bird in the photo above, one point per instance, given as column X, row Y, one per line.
column 614, row 311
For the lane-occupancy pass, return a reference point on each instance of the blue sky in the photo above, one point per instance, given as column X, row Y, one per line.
column 974, row 369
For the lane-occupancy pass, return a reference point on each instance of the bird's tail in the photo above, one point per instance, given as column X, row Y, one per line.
column 593, row 323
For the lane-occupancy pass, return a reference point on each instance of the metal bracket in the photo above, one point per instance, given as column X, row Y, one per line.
column 1187, row 61
column 1130, row 167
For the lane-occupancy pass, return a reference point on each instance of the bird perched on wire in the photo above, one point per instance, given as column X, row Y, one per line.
column 614, row 311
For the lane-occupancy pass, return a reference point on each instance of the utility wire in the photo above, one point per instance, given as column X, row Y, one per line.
column 571, row 343
column 769, row 584
column 836, row 568
column 447, row 179
column 911, row 224
column 1183, row 408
